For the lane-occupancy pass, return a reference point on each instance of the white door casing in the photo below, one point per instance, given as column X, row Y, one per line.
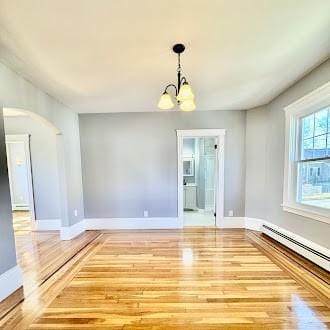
column 219, row 187
column 24, row 169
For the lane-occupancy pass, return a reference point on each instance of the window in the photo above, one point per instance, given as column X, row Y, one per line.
column 307, row 156
column 314, row 160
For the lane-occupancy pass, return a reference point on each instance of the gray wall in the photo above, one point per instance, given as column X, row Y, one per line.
column 265, row 137
column 44, row 164
column 129, row 161
column 17, row 92
column 7, row 241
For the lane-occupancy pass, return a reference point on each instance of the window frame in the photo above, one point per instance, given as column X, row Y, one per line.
column 312, row 102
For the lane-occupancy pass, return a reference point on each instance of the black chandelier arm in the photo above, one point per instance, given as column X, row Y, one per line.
column 171, row 85
column 183, row 80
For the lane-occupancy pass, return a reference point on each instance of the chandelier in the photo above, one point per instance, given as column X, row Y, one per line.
column 183, row 92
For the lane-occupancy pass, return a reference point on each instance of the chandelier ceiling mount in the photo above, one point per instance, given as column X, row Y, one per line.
column 183, row 91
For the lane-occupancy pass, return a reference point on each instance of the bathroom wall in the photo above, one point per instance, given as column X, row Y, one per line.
column 188, row 150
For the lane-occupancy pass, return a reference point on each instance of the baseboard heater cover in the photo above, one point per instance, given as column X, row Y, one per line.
column 320, row 256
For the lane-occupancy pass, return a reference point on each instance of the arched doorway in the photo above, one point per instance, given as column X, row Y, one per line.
column 32, row 144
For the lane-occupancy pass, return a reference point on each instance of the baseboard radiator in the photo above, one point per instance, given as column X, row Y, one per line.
column 307, row 249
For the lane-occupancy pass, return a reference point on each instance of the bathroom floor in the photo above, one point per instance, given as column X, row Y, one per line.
column 195, row 218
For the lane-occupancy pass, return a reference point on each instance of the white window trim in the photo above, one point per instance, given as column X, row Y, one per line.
column 304, row 106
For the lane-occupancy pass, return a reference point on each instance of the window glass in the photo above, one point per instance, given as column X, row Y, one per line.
column 320, row 145
column 308, row 127
column 313, row 179
column 308, row 148
column 315, row 130
column 321, row 122
column 314, row 183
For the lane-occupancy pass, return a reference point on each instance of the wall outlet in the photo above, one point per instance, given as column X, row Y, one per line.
column 75, row 213
column 145, row 213
column 231, row 213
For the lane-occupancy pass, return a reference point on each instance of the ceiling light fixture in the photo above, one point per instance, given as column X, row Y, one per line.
column 183, row 92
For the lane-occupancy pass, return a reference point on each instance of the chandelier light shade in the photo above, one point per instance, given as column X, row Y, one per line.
column 188, row 105
column 183, row 91
column 165, row 102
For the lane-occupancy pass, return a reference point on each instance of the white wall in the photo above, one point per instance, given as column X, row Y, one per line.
column 44, row 164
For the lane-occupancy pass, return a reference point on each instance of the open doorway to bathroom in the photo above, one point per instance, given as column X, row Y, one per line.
column 199, row 156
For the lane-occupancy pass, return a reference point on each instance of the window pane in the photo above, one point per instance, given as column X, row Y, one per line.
column 328, row 145
column 320, row 145
column 314, row 184
column 308, row 127
column 308, row 151
column 321, row 122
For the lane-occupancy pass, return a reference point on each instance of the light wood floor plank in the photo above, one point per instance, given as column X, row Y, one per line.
column 191, row 279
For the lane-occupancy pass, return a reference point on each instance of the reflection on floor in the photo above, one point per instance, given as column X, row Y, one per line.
column 21, row 221
column 204, row 278
column 39, row 255
column 195, row 218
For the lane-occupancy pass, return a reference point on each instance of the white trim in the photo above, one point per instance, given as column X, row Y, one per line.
column 25, row 138
column 256, row 224
column 233, row 222
column 68, row 233
column 311, row 102
column 71, row 232
column 307, row 212
column 253, row 223
column 219, row 191
column 305, row 253
column 308, row 104
column 48, row 224
column 133, row 223
column 200, row 132
column 10, row 281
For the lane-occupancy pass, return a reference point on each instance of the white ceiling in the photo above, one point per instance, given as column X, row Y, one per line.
column 115, row 56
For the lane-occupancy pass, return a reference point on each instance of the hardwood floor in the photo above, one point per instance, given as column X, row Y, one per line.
column 177, row 279
column 21, row 221
column 39, row 255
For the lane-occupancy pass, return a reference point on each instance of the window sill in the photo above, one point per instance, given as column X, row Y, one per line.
column 306, row 212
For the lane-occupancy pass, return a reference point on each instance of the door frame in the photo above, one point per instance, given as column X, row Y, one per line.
column 219, row 189
column 25, row 139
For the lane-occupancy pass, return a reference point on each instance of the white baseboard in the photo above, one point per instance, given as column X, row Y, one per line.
column 257, row 224
column 134, row 223
column 298, row 247
column 253, row 224
column 68, row 233
column 242, row 222
column 10, row 281
column 232, row 222
column 71, row 232
column 48, row 224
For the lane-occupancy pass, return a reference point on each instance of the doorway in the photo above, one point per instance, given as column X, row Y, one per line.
column 20, row 181
column 200, row 177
